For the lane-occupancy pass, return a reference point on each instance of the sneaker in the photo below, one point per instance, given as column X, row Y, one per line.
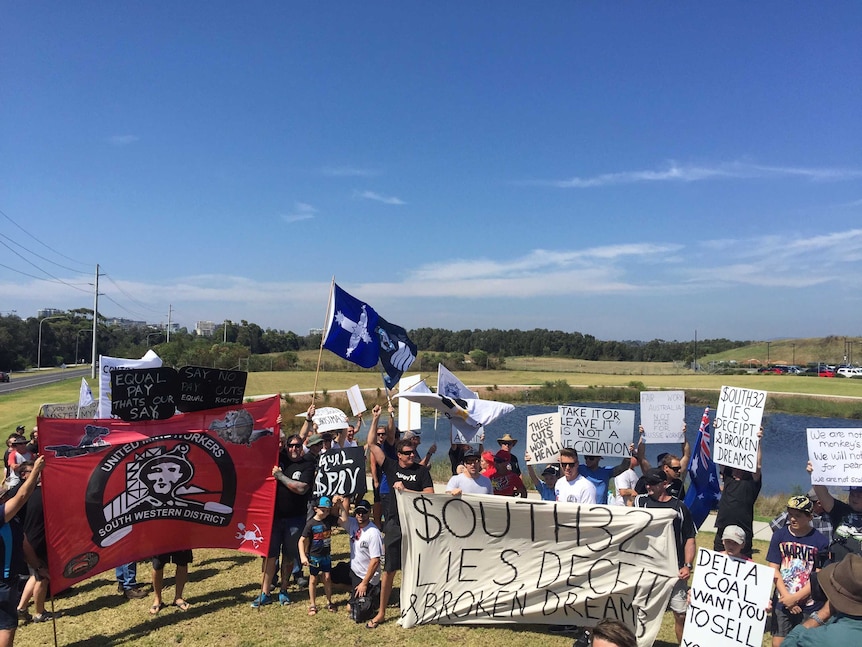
column 120, row 588
column 261, row 600
column 301, row 581
column 283, row 598
column 135, row 594
column 24, row 616
column 42, row 617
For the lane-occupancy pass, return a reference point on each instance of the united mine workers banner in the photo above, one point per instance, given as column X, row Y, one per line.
column 489, row 559
column 117, row 492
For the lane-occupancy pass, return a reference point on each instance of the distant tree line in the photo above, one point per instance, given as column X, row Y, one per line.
column 248, row 346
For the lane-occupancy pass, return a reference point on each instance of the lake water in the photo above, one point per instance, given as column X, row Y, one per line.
column 785, row 450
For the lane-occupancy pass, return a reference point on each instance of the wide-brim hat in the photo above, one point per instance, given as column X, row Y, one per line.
column 508, row 439
column 842, row 583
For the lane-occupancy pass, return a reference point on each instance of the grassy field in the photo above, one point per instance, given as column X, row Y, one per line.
column 221, row 587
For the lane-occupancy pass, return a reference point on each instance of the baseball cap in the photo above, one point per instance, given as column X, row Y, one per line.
column 470, row 453
column 734, row 533
column 551, row 470
column 654, row 476
column 503, row 456
column 362, row 506
column 324, row 502
column 800, row 502
column 314, row 439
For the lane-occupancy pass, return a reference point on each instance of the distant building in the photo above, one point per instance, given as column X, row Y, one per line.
column 48, row 312
column 125, row 324
column 315, row 331
column 204, row 328
column 162, row 326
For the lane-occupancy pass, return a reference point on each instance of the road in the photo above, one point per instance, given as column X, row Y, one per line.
column 27, row 380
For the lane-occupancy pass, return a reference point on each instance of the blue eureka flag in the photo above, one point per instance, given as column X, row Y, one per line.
column 397, row 352
column 349, row 330
column 703, row 493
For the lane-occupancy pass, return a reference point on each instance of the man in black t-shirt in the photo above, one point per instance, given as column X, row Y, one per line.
column 846, row 520
column 401, row 474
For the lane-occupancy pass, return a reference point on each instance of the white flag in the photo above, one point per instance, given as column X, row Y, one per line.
column 86, row 396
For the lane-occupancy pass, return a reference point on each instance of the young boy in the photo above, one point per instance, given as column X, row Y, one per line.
column 315, row 552
column 545, row 484
column 795, row 552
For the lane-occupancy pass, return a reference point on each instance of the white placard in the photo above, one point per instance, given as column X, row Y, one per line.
column 836, row 456
column 329, row 419
column 543, row 438
column 727, row 605
column 354, row 397
column 597, row 432
column 737, row 421
column 663, row 416
column 409, row 418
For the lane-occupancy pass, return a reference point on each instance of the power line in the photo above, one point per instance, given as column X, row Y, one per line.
column 45, row 245
column 57, row 279
column 129, row 296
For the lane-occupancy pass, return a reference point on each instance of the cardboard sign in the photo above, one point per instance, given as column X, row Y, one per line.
column 409, row 413
column 330, row 419
column 737, row 422
column 341, row 471
column 597, row 432
column 203, row 388
column 543, row 438
column 728, row 602
column 836, row 456
column 67, row 410
column 663, row 416
column 144, row 393
column 354, row 397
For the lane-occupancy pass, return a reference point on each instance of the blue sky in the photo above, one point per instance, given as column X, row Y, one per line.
column 627, row 170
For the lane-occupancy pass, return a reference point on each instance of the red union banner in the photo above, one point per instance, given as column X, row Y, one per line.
column 117, row 492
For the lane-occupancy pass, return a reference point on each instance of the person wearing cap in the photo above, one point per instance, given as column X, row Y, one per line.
column 507, row 443
column 572, row 487
column 736, row 505
column 846, row 519
column 315, row 551
column 504, row 481
column 674, row 466
column 733, row 539
column 839, row 622
column 19, row 454
column 469, row 481
column 819, row 521
column 684, row 532
column 795, row 552
column 545, row 484
column 416, row 439
column 366, row 549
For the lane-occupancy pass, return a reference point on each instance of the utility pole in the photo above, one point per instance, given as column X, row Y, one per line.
column 94, row 358
column 168, row 334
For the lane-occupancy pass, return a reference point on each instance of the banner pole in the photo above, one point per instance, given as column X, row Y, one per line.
column 325, row 326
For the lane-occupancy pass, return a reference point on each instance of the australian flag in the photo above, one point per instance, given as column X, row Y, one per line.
column 358, row 334
column 703, row 494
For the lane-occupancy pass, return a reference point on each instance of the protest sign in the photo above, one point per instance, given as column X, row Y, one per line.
column 144, row 393
column 543, row 438
column 341, row 471
column 663, row 416
column 329, row 419
column 836, row 456
column 597, row 432
column 67, row 410
column 108, row 365
column 737, row 423
column 728, row 602
column 354, row 397
column 409, row 417
column 480, row 559
column 203, row 388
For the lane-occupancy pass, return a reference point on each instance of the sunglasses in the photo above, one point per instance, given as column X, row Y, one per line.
column 471, row 460
column 678, row 468
column 294, row 445
column 567, row 465
column 406, row 453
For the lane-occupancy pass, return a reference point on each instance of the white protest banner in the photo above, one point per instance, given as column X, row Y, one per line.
column 409, row 417
column 543, row 438
column 479, row 559
column 329, row 419
column 354, row 397
column 108, row 365
column 836, row 456
column 597, row 432
column 737, row 422
column 663, row 416
column 728, row 602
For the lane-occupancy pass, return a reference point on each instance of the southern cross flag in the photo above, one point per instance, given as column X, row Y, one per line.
column 85, row 397
column 703, row 494
column 357, row 333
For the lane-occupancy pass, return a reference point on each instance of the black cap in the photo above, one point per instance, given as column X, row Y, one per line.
column 362, row 505
column 655, row 476
column 470, row 453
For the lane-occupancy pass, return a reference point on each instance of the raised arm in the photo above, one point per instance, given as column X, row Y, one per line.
column 14, row 504
column 826, row 499
column 308, row 424
column 758, row 474
column 686, row 451
column 532, row 472
column 642, row 461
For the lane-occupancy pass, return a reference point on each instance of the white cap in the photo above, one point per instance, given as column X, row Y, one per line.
column 734, row 533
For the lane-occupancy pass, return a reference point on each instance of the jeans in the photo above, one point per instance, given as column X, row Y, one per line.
column 126, row 575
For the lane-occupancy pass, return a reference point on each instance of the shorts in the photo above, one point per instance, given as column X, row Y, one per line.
column 285, row 537
column 678, row 602
column 178, row 558
column 783, row 621
column 376, row 491
column 319, row 564
column 9, row 606
column 392, row 547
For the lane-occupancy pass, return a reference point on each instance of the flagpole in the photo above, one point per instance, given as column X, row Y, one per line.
column 325, row 326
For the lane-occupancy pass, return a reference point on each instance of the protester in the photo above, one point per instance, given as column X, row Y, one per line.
column 13, row 555
column 469, row 480
column 34, row 536
column 486, row 464
column 366, row 551
column 572, row 487
column 612, row 633
column 18, row 455
column 545, row 484
column 384, row 438
column 625, row 484
column 315, row 551
column 684, row 530
column 181, row 560
column 416, row 439
column 736, row 506
column 601, row 476
column 505, row 481
column 674, row 466
column 795, row 552
column 839, row 622
column 733, row 541
column 819, row 521
column 846, row 520
column 402, row 474
column 507, row 443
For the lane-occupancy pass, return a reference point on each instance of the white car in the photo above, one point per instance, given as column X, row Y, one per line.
column 850, row 372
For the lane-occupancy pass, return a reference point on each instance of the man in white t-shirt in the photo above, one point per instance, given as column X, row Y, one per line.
column 470, row 480
column 366, row 549
column 572, row 487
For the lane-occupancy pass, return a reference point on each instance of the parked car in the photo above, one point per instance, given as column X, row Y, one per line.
column 778, row 370
column 849, row 372
column 824, row 371
column 4, row 376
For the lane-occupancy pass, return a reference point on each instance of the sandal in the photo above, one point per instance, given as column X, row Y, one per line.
column 372, row 624
column 312, row 610
column 154, row 610
column 331, row 607
column 181, row 604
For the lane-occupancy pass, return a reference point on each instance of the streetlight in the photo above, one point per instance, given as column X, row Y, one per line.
column 76, row 343
column 39, row 346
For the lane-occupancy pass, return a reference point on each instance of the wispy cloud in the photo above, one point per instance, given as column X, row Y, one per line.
column 301, row 211
column 123, row 140
column 349, row 171
column 674, row 172
column 371, row 195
